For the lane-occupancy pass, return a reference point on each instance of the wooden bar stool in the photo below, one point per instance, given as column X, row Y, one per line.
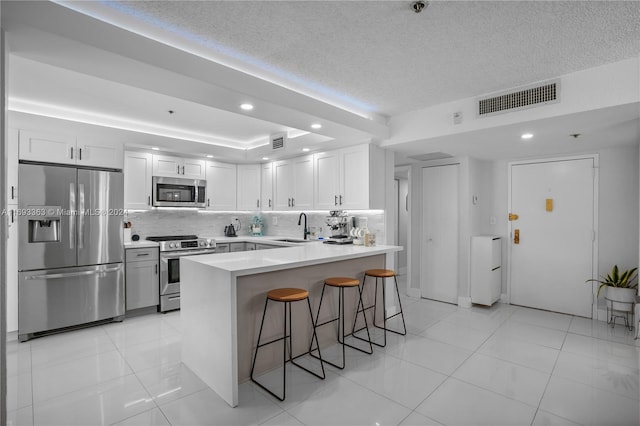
column 382, row 274
column 286, row 296
column 341, row 283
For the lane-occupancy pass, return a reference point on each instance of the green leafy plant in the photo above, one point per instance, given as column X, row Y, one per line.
column 616, row 279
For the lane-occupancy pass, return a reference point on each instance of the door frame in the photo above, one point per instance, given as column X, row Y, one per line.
column 409, row 290
column 596, row 179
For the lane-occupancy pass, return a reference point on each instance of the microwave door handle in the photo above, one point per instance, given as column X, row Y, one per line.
column 72, row 216
column 81, row 216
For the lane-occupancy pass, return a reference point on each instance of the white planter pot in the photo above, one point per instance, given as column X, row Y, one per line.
column 621, row 298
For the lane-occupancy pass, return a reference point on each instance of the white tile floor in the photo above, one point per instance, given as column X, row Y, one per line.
column 479, row 366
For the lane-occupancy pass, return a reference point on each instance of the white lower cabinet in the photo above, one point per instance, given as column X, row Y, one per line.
column 12, row 268
column 486, row 269
column 142, row 277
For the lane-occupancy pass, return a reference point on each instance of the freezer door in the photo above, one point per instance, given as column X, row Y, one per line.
column 57, row 298
column 100, row 217
column 46, row 228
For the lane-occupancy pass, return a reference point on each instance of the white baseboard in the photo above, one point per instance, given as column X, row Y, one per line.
column 464, row 302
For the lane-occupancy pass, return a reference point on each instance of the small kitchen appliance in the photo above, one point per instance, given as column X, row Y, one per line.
column 339, row 227
column 172, row 248
column 256, row 226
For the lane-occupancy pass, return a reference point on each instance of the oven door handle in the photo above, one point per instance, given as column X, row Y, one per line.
column 169, row 255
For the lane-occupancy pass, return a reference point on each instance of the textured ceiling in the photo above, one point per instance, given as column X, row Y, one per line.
column 382, row 57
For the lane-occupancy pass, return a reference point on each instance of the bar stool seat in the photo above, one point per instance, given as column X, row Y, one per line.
column 382, row 274
column 287, row 296
column 342, row 282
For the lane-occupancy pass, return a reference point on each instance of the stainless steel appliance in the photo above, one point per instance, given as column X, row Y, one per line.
column 339, row 224
column 178, row 192
column 172, row 248
column 70, row 254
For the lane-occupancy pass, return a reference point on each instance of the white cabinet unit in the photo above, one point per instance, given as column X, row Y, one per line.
column 221, row 186
column 67, row 149
column 349, row 178
column 137, row 180
column 168, row 166
column 12, row 166
column 293, row 183
column 12, row 268
column 266, row 186
column 235, row 247
column 222, row 248
column 248, row 190
column 142, row 277
column 486, row 269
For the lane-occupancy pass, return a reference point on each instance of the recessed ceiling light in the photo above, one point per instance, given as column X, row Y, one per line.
column 305, row 149
column 155, row 148
column 527, row 135
column 265, row 158
column 246, row 107
column 316, row 126
column 209, row 156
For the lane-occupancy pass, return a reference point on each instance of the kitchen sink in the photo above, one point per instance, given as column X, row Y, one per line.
column 293, row 240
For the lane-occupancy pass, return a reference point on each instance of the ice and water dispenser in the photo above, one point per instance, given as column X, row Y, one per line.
column 45, row 227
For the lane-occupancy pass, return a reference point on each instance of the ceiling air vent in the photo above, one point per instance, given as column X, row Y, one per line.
column 528, row 97
column 278, row 141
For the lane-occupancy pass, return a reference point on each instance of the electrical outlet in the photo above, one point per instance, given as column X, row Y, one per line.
column 274, row 220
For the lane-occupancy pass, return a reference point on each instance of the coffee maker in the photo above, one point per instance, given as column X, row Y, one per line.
column 339, row 224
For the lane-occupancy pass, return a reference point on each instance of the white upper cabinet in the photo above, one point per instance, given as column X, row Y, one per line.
column 137, row 180
column 221, row 186
column 67, row 149
column 293, row 183
column 12, row 166
column 347, row 178
column 266, row 186
column 249, row 186
column 167, row 166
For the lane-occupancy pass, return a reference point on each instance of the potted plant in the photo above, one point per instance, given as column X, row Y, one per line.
column 620, row 287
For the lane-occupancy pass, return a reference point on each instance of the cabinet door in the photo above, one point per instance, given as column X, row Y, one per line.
column 143, row 285
column 282, row 188
column 99, row 153
column 327, row 170
column 167, row 166
column 266, row 187
column 12, row 166
column 193, row 168
column 35, row 146
column 12, row 269
column 137, row 180
column 302, row 183
column 248, row 187
column 221, row 186
column 235, row 247
column 250, row 246
column 222, row 248
column 355, row 178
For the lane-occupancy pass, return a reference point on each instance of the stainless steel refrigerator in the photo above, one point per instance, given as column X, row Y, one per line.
column 70, row 260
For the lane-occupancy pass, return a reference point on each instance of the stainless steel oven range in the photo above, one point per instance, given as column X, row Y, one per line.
column 172, row 248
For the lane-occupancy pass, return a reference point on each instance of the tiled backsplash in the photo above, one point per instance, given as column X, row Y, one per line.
column 211, row 224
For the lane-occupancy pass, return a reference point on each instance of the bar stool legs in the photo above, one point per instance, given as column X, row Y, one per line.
column 341, row 283
column 381, row 274
column 286, row 296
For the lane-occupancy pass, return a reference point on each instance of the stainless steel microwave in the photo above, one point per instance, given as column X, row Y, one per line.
column 179, row 192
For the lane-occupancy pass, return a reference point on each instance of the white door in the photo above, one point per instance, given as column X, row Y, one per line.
column 221, row 186
column 327, row 180
column 51, row 148
column 137, row 180
column 99, row 153
column 552, row 238
column 439, row 263
column 167, row 166
column 248, row 187
column 282, row 184
column 266, row 186
column 302, row 183
column 355, row 178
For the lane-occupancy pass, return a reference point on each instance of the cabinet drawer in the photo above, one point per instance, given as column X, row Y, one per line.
column 140, row 254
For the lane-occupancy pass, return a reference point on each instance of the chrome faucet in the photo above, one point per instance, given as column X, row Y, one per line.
column 306, row 230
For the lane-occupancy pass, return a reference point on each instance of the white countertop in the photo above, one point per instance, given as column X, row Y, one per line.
column 304, row 254
column 140, row 244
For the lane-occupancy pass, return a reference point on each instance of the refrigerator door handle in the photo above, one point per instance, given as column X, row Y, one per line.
column 81, row 216
column 72, row 215
column 71, row 274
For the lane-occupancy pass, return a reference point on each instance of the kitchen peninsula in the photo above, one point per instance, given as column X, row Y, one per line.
column 223, row 297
